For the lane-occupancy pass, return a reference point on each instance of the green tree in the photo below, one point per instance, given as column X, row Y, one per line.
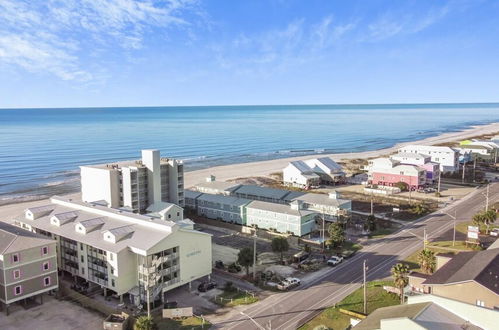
column 245, row 258
column 144, row 323
column 485, row 218
column 400, row 274
column 420, row 209
column 336, row 234
column 280, row 245
column 402, row 186
column 371, row 222
column 427, row 261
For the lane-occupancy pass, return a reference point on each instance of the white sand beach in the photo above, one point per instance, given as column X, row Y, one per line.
column 264, row 168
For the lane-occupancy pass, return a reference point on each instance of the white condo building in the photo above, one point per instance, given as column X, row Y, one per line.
column 135, row 184
column 312, row 172
column 447, row 157
column 127, row 253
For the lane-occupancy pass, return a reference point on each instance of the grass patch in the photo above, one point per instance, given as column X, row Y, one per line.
column 382, row 232
column 192, row 322
column 235, row 298
column 376, row 298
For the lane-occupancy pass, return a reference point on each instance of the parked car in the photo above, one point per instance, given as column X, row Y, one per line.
column 206, row 286
column 494, row 232
column 288, row 283
column 170, row 304
column 334, row 260
column 348, row 253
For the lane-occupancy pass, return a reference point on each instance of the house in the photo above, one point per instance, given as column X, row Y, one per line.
column 135, row 184
column 447, row 157
column 331, row 205
column 123, row 253
column 424, row 315
column 469, row 277
column 292, row 219
column 28, row 265
column 212, row 186
column 313, row 172
column 388, row 172
column 423, row 161
column 479, row 150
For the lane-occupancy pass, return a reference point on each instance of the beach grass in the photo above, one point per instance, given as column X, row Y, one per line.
column 186, row 323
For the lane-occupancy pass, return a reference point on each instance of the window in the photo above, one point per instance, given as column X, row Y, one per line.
column 17, row 273
column 45, row 250
column 15, row 257
column 82, row 259
column 111, row 256
column 83, row 271
column 46, row 281
column 46, row 266
column 112, row 283
column 480, row 303
column 112, row 271
column 18, row 290
column 169, row 216
column 178, row 214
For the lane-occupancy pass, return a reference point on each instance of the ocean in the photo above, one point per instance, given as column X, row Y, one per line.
column 41, row 149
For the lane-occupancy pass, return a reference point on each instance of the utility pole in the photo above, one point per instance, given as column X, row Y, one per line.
column 147, row 290
column 439, row 177
column 454, row 217
column 474, row 168
column 372, row 204
column 464, row 169
column 424, row 238
column 487, row 198
column 323, row 231
column 254, row 256
column 365, row 287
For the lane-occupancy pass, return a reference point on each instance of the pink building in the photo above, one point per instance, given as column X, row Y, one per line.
column 423, row 161
column 388, row 172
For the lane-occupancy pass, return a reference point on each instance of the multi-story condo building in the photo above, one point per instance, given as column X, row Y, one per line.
column 135, row 184
column 388, row 172
column 447, row 157
column 225, row 208
column 28, row 265
column 129, row 254
column 423, row 161
column 291, row 219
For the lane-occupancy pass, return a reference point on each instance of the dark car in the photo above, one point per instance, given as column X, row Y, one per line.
column 170, row 304
column 206, row 286
column 347, row 253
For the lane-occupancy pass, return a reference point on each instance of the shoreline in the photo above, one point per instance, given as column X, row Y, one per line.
column 266, row 167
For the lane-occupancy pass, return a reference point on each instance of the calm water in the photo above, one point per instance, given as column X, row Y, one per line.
column 40, row 149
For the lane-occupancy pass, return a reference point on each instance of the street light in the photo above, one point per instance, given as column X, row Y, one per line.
column 256, row 323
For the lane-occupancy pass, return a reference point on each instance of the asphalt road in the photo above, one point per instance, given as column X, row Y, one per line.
column 287, row 310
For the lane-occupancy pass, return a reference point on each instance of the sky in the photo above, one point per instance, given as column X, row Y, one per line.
column 101, row 53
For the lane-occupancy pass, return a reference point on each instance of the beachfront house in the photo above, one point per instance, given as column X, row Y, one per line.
column 291, row 219
column 423, row 161
column 447, row 157
column 479, row 150
column 312, row 172
column 135, row 184
column 28, row 265
column 123, row 253
column 388, row 172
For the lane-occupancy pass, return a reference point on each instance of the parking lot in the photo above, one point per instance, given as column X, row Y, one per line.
column 53, row 314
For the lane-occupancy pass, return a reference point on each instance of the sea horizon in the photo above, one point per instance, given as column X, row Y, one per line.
column 41, row 148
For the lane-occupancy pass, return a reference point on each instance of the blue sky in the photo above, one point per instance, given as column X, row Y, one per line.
column 58, row 53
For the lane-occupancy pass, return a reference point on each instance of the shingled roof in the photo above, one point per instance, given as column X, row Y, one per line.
column 480, row 266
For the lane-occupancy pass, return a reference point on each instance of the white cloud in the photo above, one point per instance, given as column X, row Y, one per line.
column 52, row 35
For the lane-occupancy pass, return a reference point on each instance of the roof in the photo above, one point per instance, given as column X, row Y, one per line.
column 430, row 148
column 191, row 194
column 479, row 266
column 278, row 208
column 14, row 239
column 322, row 199
column 264, row 192
column 324, row 162
column 494, row 245
column 160, row 207
column 222, row 199
column 428, row 315
column 218, row 185
column 301, row 166
column 410, row 155
column 147, row 231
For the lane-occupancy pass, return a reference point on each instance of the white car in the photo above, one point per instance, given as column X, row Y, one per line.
column 288, row 283
column 334, row 260
column 494, row 232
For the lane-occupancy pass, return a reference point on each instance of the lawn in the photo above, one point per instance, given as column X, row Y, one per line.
column 376, row 298
column 235, row 298
column 192, row 322
column 382, row 232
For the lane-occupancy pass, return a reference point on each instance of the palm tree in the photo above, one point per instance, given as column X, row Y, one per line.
column 280, row 244
column 400, row 274
column 486, row 218
column 144, row 323
column 427, row 261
